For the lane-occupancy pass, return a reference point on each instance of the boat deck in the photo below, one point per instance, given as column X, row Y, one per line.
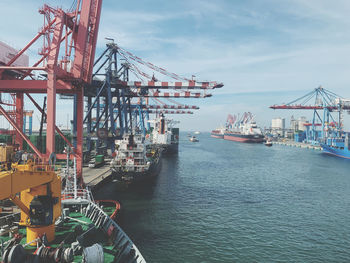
column 63, row 233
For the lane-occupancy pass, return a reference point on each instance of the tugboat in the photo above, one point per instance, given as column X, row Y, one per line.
column 134, row 160
column 194, row 139
column 268, row 143
column 164, row 135
column 57, row 226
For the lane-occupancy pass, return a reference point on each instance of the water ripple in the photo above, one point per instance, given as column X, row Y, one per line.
column 222, row 201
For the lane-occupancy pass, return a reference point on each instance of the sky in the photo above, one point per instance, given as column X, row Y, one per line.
column 264, row 51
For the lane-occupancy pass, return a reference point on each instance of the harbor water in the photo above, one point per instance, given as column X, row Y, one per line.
column 224, row 201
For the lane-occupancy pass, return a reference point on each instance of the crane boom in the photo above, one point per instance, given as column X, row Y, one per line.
column 170, row 112
column 86, row 39
column 170, row 85
column 13, row 182
column 165, row 106
column 305, row 107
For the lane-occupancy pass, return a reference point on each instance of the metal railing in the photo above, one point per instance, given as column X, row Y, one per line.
column 76, row 195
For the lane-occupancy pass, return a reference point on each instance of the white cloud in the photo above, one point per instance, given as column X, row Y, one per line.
column 252, row 46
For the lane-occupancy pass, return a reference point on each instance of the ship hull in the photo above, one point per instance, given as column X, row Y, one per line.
column 170, row 149
column 342, row 153
column 237, row 137
column 129, row 179
column 217, row 135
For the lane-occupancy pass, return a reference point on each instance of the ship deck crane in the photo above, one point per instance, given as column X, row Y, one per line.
column 40, row 196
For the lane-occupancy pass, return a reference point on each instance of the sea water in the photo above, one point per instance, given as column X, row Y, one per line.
column 224, row 201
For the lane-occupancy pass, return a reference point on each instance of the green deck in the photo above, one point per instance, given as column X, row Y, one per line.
column 63, row 231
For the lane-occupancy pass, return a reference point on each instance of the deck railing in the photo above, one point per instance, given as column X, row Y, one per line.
column 76, row 195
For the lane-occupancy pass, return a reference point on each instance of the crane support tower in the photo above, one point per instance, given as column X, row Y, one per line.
column 116, row 105
column 317, row 100
column 70, row 35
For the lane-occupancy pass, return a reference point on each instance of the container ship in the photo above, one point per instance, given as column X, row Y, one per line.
column 337, row 146
column 135, row 160
column 243, row 130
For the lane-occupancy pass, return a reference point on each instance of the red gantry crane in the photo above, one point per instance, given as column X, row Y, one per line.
column 71, row 36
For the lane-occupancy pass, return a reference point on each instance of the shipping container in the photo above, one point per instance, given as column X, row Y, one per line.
column 60, row 143
column 99, row 159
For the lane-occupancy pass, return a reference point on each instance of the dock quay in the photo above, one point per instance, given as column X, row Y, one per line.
column 298, row 144
column 94, row 176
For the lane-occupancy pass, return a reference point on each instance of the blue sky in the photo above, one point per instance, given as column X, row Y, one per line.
column 264, row 51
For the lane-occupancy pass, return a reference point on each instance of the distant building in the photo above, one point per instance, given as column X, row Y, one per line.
column 278, row 123
column 293, row 124
column 278, row 126
column 301, row 122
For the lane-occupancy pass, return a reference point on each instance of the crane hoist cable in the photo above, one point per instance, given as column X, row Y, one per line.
column 175, row 102
column 163, row 71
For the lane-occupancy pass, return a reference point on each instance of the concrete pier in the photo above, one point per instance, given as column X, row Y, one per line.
column 298, row 144
column 94, row 176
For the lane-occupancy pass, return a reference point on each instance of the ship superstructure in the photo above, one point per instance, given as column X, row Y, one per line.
column 164, row 135
column 135, row 159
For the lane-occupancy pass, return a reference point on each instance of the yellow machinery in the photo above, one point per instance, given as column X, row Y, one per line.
column 6, row 154
column 39, row 199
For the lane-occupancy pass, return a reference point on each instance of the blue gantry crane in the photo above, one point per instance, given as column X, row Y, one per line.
column 324, row 104
column 116, row 105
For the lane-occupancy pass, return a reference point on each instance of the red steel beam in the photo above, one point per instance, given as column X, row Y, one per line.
column 51, row 83
column 310, row 124
column 295, row 107
column 185, row 94
column 304, row 107
column 21, row 68
column 170, row 112
column 43, row 57
column 57, row 129
column 170, row 85
column 79, row 71
column 95, row 22
column 19, row 131
column 33, row 86
column 29, row 44
column 80, row 118
column 180, row 107
column 19, row 118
